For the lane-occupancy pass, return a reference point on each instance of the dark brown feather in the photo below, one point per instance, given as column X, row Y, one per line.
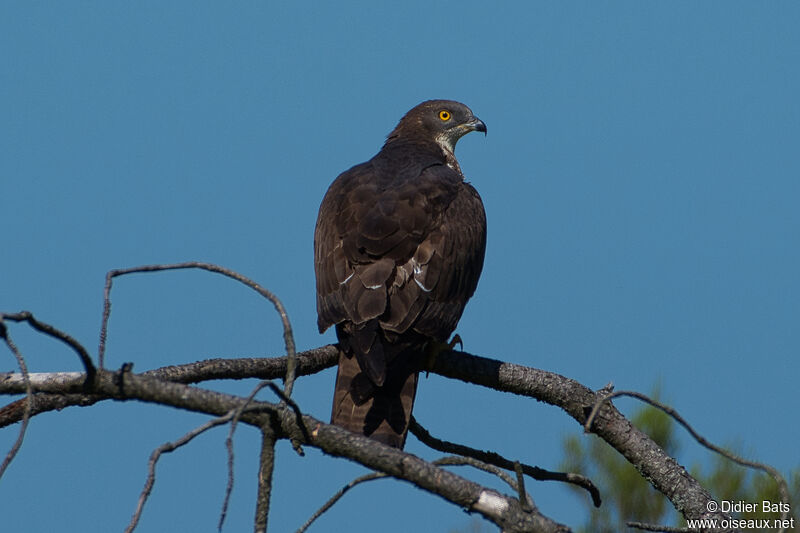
column 398, row 250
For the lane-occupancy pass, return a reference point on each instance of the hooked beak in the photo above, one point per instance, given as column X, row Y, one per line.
column 477, row 124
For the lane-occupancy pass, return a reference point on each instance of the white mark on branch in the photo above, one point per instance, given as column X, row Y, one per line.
column 492, row 503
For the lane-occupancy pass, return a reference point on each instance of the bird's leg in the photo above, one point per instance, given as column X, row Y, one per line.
column 434, row 348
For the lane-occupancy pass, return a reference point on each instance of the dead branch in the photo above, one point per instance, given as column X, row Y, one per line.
column 584, row 405
column 266, row 465
column 288, row 336
column 504, row 511
column 57, row 390
column 457, row 460
column 664, row 472
column 229, row 447
column 26, row 411
column 166, row 448
column 783, row 487
column 338, row 496
column 47, row 329
column 539, row 474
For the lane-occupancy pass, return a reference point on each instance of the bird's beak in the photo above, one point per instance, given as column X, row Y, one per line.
column 477, row 124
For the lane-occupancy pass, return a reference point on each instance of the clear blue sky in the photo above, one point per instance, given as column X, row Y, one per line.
column 641, row 178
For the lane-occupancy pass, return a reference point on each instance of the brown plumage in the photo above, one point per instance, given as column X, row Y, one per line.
column 398, row 249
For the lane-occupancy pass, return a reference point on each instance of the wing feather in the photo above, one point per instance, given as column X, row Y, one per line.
column 408, row 253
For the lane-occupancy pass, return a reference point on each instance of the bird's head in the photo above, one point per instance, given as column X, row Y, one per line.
column 443, row 121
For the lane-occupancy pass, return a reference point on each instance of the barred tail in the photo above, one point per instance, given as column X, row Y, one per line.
column 382, row 413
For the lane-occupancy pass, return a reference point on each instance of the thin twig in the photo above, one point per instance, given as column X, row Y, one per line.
column 266, row 465
column 523, row 497
column 336, row 497
column 285, row 400
column 26, row 415
column 101, row 347
column 165, row 448
column 458, row 460
column 515, row 485
column 782, row 485
column 229, row 446
column 47, row 329
column 288, row 336
column 496, row 459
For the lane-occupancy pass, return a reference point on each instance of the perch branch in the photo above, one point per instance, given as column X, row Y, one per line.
column 502, row 510
column 664, row 473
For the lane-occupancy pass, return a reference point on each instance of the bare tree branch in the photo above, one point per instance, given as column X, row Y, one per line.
column 502, row 510
column 336, row 497
column 523, row 496
column 26, row 412
column 62, row 385
column 156, row 455
column 458, row 460
column 266, row 466
column 308, row 362
column 783, row 487
column 47, row 329
column 663, row 472
column 288, row 336
column 496, row 459
column 229, row 447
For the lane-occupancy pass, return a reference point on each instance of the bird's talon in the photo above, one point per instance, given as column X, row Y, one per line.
column 435, row 348
column 456, row 340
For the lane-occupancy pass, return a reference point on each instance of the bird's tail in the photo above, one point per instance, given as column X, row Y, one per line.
column 379, row 412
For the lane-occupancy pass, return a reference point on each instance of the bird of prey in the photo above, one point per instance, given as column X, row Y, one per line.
column 398, row 250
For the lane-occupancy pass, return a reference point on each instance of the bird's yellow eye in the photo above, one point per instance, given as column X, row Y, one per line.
column 444, row 115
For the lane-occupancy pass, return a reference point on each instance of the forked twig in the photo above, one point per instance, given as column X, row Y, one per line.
column 298, row 416
column 288, row 336
column 165, row 448
column 267, row 454
column 444, row 461
column 496, row 459
column 460, row 460
column 47, row 329
column 229, row 446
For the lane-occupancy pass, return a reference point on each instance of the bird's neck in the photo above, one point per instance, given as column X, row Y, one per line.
column 438, row 150
column 452, row 162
